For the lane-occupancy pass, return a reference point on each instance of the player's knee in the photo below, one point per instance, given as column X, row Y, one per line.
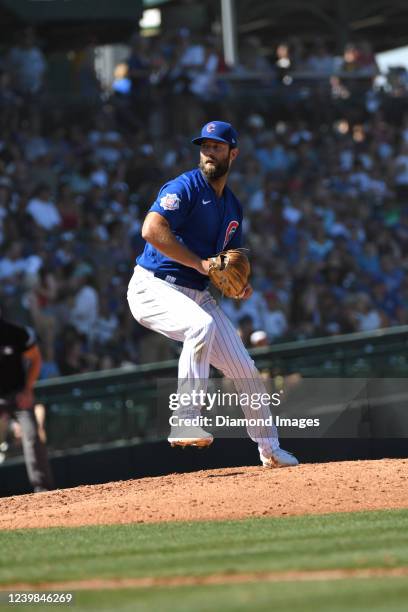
column 204, row 326
column 202, row 336
column 208, row 325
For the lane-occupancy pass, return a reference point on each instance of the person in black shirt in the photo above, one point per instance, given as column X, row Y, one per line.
column 20, row 364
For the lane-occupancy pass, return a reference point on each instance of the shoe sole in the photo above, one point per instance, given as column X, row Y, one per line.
column 197, row 442
column 275, row 464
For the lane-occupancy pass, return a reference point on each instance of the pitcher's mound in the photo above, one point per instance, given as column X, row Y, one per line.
column 230, row 493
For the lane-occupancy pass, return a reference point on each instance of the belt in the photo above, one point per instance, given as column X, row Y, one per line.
column 181, row 283
column 165, row 275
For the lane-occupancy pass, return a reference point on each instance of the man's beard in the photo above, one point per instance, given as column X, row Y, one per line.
column 219, row 169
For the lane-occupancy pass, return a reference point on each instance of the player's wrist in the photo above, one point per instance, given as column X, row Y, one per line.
column 202, row 266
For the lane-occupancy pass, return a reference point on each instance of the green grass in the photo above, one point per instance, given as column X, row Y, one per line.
column 353, row 540
column 332, row 596
column 341, row 596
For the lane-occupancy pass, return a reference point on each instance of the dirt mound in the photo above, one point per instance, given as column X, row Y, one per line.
column 231, row 493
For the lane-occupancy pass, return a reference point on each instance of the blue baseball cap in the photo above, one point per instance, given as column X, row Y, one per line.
column 218, row 130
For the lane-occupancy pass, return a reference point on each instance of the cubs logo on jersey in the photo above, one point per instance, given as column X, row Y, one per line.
column 170, row 201
column 231, row 229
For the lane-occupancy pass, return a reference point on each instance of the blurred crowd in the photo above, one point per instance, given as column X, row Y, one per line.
column 325, row 194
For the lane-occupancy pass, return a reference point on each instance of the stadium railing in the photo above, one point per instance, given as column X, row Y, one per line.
column 121, row 404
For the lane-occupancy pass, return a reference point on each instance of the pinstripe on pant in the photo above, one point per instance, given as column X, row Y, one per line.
column 194, row 318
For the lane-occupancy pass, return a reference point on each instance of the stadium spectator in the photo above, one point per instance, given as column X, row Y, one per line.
column 42, row 209
column 274, row 321
column 401, row 173
column 73, row 360
column 27, row 64
column 246, row 329
column 13, row 264
column 87, row 78
column 85, row 308
column 283, row 62
column 366, row 316
column 326, row 196
column 320, row 61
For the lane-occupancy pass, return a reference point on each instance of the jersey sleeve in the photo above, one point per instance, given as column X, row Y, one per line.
column 173, row 203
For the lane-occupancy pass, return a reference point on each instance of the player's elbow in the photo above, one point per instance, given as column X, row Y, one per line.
column 147, row 231
column 153, row 227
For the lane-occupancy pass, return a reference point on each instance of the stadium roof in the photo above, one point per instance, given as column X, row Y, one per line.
column 383, row 22
column 71, row 23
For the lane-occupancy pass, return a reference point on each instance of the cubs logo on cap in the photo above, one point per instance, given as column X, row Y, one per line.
column 218, row 130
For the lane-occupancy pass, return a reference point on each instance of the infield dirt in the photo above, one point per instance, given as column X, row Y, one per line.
column 230, row 493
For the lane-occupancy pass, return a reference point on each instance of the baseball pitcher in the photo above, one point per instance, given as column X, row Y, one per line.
column 193, row 234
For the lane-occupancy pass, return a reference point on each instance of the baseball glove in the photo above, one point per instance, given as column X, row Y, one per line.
column 229, row 272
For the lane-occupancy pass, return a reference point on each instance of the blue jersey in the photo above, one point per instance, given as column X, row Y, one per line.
column 200, row 220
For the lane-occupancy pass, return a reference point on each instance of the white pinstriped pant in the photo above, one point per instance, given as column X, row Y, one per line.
column 194, row 318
